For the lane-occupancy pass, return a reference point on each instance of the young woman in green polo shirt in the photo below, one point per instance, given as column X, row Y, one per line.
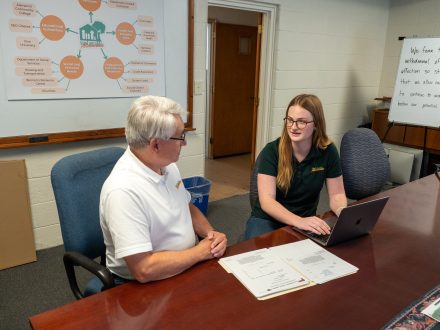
column 293, row 170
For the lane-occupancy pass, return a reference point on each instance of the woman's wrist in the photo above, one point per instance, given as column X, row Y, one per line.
column 296, row 220
column 339, row 210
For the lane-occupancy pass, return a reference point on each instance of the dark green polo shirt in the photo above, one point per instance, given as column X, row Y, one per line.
column 308, row 179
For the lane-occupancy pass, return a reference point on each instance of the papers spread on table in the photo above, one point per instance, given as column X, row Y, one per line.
column 285, row 268
column 263, row 273
column 316, row 263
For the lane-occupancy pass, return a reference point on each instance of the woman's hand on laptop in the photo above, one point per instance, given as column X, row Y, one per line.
column 315, row 225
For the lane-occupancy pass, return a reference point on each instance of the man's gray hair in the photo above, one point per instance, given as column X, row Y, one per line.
column 151, row 117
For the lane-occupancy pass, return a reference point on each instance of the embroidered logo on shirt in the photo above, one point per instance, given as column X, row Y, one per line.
column 317, row 169
column 178, row 184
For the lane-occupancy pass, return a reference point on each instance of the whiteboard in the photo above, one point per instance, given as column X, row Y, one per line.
column 41, row 116
column 416, row 98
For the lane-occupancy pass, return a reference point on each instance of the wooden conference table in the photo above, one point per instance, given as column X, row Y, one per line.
column 397, row 263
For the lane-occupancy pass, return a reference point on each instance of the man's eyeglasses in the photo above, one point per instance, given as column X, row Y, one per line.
column 181, row 138
column 301, row 124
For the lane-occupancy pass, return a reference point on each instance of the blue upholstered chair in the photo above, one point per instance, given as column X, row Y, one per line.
column 77, row 181
column 365, row 165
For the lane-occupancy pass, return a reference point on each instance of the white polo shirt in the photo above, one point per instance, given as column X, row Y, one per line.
column 143, row 211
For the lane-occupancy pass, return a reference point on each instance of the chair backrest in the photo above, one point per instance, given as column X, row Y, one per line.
column 77, row 181
column 253, row 187
column 365, row 165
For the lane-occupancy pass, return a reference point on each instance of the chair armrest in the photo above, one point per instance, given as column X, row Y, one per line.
column 72, row 259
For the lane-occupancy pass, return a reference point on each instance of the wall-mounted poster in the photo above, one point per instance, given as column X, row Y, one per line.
column 64, row 49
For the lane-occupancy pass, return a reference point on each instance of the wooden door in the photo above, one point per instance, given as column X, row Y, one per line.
column 256, row 89
column 233, row 89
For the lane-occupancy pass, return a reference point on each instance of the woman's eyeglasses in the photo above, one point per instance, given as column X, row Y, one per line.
column 301, row 124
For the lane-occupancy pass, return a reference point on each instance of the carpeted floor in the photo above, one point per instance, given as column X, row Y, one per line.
column 30, row 289
column 229, row 216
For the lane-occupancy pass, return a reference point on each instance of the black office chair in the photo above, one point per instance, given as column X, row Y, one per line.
column 253, row 187
column 437, row 170
column 365, row 165
column 77, row 181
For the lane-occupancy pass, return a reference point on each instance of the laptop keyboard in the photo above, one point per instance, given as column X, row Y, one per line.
column 322, row 238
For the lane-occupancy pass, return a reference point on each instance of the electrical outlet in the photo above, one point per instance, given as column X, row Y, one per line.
column 198, row 87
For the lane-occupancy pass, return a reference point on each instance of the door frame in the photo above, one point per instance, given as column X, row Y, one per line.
column 210, row 78
column 267, row 50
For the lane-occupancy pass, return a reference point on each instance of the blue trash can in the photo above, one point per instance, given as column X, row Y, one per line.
column 199, row 188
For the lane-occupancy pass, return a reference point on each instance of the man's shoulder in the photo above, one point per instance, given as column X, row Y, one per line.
column 118, row 180
column 124, row 175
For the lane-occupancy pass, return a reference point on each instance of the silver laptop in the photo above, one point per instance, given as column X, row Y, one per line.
column 354, row 221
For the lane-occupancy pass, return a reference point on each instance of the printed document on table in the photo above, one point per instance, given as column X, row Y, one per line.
column 433, row 310
column 263, row 273
column 313, row 261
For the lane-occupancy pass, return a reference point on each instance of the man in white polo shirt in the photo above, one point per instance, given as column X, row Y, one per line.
column 149, row 224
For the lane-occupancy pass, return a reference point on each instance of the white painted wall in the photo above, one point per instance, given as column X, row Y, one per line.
column 408, row 18
column 333, row 48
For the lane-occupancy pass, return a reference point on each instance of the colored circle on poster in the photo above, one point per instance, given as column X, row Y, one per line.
column 71, row 67
column 113, row 68
column 125, row 33
column 90, row 5
column 52, row 27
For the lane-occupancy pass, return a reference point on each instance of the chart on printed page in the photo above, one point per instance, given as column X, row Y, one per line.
column 56, row 49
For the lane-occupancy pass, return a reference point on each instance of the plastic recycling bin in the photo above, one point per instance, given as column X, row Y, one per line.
column 199, row 188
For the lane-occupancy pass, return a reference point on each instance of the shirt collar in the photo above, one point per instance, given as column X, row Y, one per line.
column 313, row 153
column 152, row 175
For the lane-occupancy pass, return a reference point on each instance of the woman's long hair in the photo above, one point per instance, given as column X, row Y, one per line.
column 285, row 150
